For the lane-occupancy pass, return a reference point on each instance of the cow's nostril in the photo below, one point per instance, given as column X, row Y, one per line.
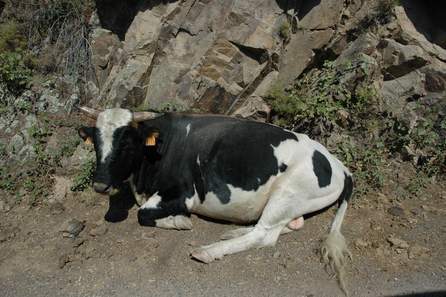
column 101, row 187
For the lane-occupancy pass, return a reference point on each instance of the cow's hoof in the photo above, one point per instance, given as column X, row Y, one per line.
column 202, row 255
column 183, row 223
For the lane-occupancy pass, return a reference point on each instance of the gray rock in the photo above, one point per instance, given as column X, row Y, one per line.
column 325, row 15
column 396, row 93
column 15, row 145
column 72, row 228
column 50, row 101
column 254, row 108
column 61, row 188
column 418, row 251
column 63, row 260
column 29, row 122
column 10, row 125
column 397, row 242
column 299, row 53
column 98, row 230
column 26, row 153
column 396, row 211
column 188, row 53
column 361, row 244
column 81, row 155
column 401, row 59
column 105, row 53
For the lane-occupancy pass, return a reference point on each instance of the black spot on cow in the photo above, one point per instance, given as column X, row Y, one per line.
column 241, row 154
column 322, row 169
column 283, row 167
column 347, row 190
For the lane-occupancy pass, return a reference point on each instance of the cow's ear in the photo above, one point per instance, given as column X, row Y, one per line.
column 86, row 133
column 152, row 138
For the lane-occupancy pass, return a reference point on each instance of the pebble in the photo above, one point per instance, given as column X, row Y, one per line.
column 359, row 243
column 397, row 242
column 3, row 236
column 4, row 206
column 417, row 251
column 192, row 243
column 99, row 230
column 63, row 260
column 78, row 242
column 72, row 228
column 57, row 208
column 396, row 211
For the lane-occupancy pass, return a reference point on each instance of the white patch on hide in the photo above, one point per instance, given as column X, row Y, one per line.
column 107, row 123
column 152, row 203
column 187, row 129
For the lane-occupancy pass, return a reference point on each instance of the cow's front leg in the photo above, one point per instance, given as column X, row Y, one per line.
column 170, row 215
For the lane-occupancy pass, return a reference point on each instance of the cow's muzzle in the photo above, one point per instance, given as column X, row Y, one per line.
column 102, row 188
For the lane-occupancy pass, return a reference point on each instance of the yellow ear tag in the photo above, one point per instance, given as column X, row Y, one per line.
column 151, row 140
column 88, row 141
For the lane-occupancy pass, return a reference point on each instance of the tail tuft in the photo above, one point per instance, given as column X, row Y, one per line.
column 335, row 253
column 334, row 250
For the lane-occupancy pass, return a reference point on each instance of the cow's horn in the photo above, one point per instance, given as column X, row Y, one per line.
column 140, row 116
column 93, row 113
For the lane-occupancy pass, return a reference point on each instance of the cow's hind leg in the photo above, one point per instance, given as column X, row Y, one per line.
column 295, row 224
column 280, row 210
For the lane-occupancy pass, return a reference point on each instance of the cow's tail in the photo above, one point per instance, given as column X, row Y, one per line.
column 334, row 250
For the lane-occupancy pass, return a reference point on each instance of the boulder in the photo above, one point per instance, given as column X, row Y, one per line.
column 254, row 108
column 323, row 16
column 15, row 145
column 401, row 59
column 410, row 35
column 181, row 53
column 105, row 48
column 299, row 53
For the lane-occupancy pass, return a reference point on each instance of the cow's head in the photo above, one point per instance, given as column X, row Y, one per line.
column 118, row 144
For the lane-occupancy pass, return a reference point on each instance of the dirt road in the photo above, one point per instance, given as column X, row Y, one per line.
column 398, row 248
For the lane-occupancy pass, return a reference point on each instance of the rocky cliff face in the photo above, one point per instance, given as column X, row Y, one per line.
column 224, row 56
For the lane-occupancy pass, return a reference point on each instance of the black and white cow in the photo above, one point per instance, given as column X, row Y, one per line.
column 223, row 168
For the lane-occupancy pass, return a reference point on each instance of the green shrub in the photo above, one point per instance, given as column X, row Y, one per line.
column 11, row 39
column 85, row 176
column 13, row 71
column 366, row 162
column 318, row 97
column 15, row 61
column 284, row 30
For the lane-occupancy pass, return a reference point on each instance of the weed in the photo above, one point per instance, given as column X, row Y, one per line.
column 64, row 24
column 13, row 71
column 84, row 178
column 417, row 184
column 284, row 30
column 7, row 181
column 318, row 97
column 366, row 162
column 66, row 148
column 11, row 38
